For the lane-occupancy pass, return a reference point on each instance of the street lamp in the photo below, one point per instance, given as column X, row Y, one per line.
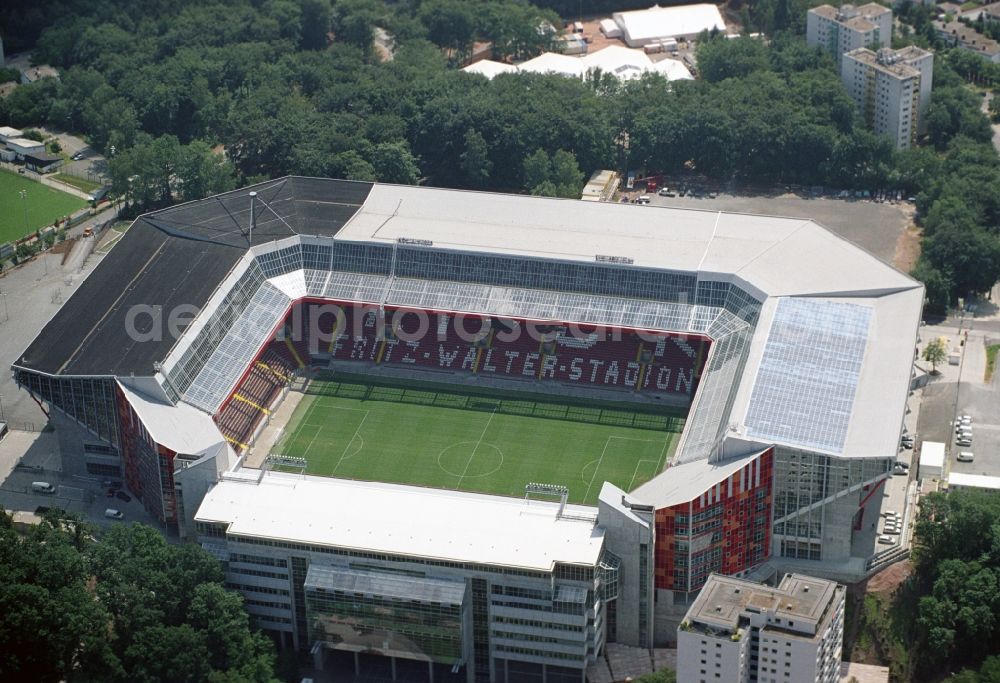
column 24, row 202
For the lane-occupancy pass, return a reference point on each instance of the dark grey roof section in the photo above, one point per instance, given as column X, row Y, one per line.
column 283, row 208
column 177, row 257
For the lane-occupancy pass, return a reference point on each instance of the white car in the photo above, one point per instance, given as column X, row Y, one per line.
column 965, row 419
column 965, row 456
column 111, row 513
column 886, row 540
column 893, row 531
column 963, row 441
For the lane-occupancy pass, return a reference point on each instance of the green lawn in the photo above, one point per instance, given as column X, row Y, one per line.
column 446, row 439
column 991, row 360
column 44, row 206
column 79, row 183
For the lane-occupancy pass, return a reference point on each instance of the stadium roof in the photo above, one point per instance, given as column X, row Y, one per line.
column 777, row 256
column 172, row 258
column 406, row 520
column 830, row 350
column 181, row 428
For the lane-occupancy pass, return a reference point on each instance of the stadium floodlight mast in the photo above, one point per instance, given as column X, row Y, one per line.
column 548, row 490
column 253, row 200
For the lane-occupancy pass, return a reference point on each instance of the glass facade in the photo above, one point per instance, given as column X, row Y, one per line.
column 88, row 400
column 389, row 614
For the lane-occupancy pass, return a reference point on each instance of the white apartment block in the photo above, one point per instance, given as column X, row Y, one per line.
column 841, row 30
column 891, row 88
column 739, row 631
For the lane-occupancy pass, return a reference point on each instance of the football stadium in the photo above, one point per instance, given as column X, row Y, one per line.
column 468, row 436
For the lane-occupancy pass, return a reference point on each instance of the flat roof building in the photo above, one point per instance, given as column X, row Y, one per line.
column 891, row 89
column 981, row 482
column 931, row 460
column 643, row 27
column 739, row 630
column 838, row 31
column 511, row 589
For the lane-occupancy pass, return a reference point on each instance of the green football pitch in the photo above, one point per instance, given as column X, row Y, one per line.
column 42, row 203
column 438, row 436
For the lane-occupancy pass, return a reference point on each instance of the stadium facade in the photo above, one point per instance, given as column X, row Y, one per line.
column 791, row 347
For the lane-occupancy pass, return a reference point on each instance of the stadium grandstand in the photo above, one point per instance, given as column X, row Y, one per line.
column 780, row 354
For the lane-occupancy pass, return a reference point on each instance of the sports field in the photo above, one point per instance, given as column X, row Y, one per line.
column 436, row 436
column 44, row 206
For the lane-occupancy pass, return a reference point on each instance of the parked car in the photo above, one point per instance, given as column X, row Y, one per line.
column 77, row 156
column 964, row 441
column 965, row 419
column 642, row 199
column 965, row 456
column 664, row 192
column 886, row 540
column 42, row 487
column 121, row 495
column 112, row 513
column 713, row 195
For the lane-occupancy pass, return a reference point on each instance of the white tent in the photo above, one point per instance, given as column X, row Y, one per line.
column 642, row 27
column 489, row 68
column 672, row 70
column 553, row 63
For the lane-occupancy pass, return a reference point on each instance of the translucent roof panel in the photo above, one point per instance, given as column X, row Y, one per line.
column 808, row 376
column 385, row 585
column 235, row 350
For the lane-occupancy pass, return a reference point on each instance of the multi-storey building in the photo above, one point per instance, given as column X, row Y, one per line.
column 739, row 631
column 510, row 589
column 891, row 88
column 838, row 31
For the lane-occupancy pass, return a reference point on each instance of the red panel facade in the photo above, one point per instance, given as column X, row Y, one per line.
column 725, row 529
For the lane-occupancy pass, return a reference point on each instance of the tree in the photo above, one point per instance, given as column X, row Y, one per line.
column 934, row 353
column 566, row 175
column 354, row 21
column 393, row 163
column 537, row 169
column 721, row 58
column 475, row 161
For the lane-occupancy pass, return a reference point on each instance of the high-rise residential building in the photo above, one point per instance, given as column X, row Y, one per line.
column 739, row 631
column 892, row 89
column 841, row 30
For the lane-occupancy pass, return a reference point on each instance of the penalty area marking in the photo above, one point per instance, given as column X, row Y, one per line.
column 604, row 451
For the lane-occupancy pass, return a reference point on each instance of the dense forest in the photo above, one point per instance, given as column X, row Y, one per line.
column 365, row 89
column 947, row 615
column 129, row 607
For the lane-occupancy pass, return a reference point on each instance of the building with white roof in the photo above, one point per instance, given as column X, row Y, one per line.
column 435, row 568
column 979, row 482
column 793, row 425
column 932, row 455
column 8, row 133
column 644, row 27
column 621, row 62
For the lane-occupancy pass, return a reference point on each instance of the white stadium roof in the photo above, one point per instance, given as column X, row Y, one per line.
column 406, row 520
column 641, row 27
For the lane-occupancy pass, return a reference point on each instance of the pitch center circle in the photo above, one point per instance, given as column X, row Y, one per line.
column 466, row 459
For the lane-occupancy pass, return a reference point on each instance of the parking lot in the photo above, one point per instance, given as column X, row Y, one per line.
column 880, row 228
column 962, row 390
